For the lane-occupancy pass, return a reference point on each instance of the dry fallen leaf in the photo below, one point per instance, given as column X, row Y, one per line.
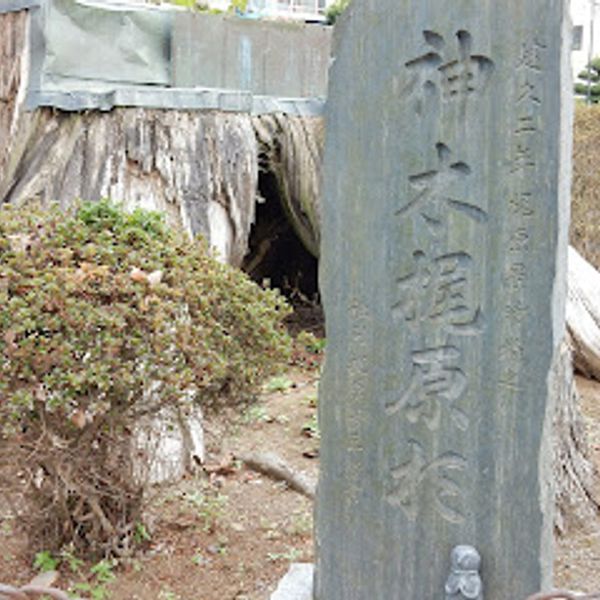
column 227, row 466
column 9, row 338
column 154, row 278
column 311, row 453
column 78, row 418
column 138, row 275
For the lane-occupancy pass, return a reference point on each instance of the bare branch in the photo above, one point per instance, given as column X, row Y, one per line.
column 30, row 591
column 273, row 466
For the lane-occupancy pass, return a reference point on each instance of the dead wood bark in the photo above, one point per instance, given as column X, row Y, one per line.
column 583, row 314
column 577, row 496
column 13, row 71
column 199, row 168
column 275, row 467
column 292, row 149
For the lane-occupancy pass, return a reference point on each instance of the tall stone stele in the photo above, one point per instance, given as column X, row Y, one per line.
column 444, row 241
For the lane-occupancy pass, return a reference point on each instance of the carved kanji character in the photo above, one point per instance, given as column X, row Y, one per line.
column 509, row 379
column 511, row 348
column 521, row 204
column 457, row 77
column 461, row 77
column 431, row 190
column 514, row 277
column 438, row 291
column 436, row 381
column 530, row 55
column 523, row 157
column 529, row 69
column 417, row 473
column 519, row 240
column 526, row 125
column 515, row 312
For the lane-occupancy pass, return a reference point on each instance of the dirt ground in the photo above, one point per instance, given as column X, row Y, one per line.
column 231, row 533
column 228, row 533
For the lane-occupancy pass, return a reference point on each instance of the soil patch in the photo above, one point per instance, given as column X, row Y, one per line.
column 227, row 532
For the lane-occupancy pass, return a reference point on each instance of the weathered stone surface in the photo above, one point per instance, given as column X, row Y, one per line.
column 443, row 259
column 297, row 583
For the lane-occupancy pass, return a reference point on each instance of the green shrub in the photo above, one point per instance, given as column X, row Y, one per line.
column 335, row 10
column 235, row 6
column 589, row 85
column 189, row 4
column 238, row 6
column 106, row 316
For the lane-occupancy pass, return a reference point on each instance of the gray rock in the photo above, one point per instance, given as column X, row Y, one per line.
column 297, row 583
column 446, row 185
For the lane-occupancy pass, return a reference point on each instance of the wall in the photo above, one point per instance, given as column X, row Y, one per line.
column 99, row 54
column 263, row 57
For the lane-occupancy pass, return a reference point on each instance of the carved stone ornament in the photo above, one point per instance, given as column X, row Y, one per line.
column 464, row 581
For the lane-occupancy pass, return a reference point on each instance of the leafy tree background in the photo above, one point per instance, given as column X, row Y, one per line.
column 590, row 78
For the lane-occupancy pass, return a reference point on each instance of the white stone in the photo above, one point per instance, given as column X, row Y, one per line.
column 297, row 583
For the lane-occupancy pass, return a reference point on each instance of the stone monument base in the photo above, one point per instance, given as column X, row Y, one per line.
column 297, row 583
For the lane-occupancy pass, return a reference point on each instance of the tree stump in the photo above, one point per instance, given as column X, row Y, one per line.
column 199, row 168
column 583, row 315
column 577, row 496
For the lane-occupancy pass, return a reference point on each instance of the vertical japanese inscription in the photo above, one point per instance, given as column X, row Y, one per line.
column 358, row 382
column 436, row 300
column 522, row 166
column 445, row 221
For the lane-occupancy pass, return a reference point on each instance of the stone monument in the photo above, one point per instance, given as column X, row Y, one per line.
column 445, row 215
